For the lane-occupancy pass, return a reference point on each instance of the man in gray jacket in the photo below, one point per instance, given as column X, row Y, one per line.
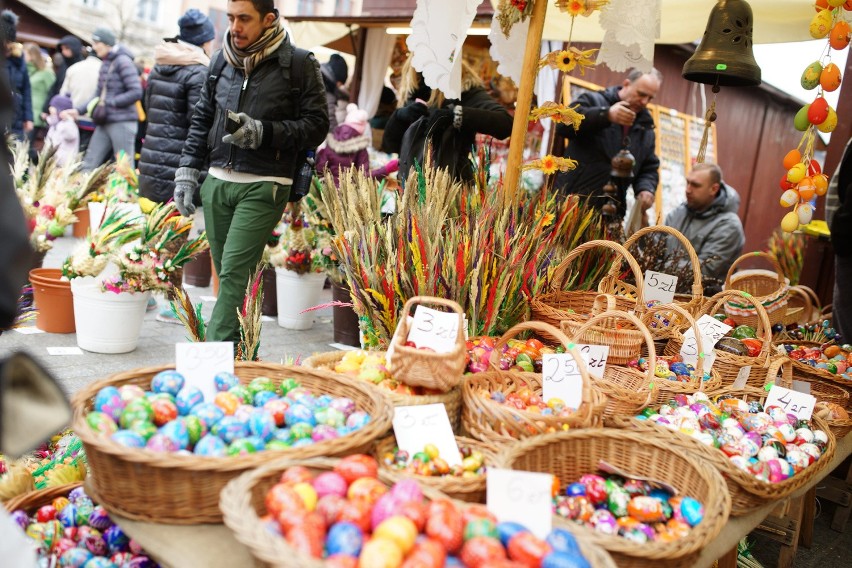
column 708, row 218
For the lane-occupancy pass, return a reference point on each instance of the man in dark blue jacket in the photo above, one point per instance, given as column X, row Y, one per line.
column 615, row 118
column 252, row 161
column 21, row 119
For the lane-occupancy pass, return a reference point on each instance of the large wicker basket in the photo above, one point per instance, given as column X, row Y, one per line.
column 825, row 386
column 691, row 303
column 839, row 427
column 557, row 304
column 469, row 489
column 452, row 400
column 768, row 288
column 422, row 368
column 747, row 492
column 624, row 345
column 492, row 422
column 242, row 506
column 184, row 489
column 627, row 390
column 569, row 455
column 805, row 298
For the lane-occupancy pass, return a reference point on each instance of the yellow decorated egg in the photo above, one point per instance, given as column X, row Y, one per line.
column 792, row 158
column 811, row 75
column 835, row 3
column 401, row 530
column 805, row 212
column 790, row 222
column 820, row 24
column 797, row 173
column 830, row 122
column 821, row 184
column 789, row 198
column 380, row 553
column 801, row 122
column 830, row 77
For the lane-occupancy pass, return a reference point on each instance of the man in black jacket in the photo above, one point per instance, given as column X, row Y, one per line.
column 615, row 118
column 838, row 214
column 252, row 162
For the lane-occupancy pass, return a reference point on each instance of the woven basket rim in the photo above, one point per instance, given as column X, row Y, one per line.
column 32, row 500
column 695, row 263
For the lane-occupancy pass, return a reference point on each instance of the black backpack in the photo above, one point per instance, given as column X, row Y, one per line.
column 297, row 77
column 438, row 134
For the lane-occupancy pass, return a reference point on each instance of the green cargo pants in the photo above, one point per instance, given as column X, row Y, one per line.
column 239, row 219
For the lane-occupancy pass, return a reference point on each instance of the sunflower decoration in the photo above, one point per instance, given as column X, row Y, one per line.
column 557, row 112
column 584, row 8
column 550, row 164
column 566, row 60
column 511, row 12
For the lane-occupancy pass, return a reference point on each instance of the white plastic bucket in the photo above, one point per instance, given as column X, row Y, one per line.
column 297, row 292
column 107, row 322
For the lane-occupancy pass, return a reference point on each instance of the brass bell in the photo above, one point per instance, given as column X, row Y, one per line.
column 609, row 189
column 622, row 164
column 724, row 57
column 608, row 209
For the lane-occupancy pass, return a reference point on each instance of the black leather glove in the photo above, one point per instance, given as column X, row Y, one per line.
column 412, row 111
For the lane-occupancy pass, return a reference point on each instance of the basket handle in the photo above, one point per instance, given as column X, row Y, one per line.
column 774, row 367
column 402, row 328
column 622, row 255
column 699, row 342
column 543, row 327
column 757, row 254
column 697, row 284
column 809, row 305
column 764, row 328
column 643, row 329
column 809, row 293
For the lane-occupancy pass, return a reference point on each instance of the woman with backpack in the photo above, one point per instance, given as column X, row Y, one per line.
column 450, row 125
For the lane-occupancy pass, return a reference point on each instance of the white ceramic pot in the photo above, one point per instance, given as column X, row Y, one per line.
column 296, row 293
column 107, row 322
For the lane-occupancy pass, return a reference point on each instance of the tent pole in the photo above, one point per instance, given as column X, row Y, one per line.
column 525, row 93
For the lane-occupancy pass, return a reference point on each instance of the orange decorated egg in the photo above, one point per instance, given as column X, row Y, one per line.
column 821, row 184
column 830, row 77
column 806, row 188
column 839, row 36
column 792, row 158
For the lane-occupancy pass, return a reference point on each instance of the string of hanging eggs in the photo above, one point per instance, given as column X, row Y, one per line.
column 804, row 178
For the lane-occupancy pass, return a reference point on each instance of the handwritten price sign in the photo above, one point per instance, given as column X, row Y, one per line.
column 797, row 403
column 434, row 329
column 200, row 362
column 659, row 286
column 561, row 378
column 416, row 426
column 595, row 357
column 522, row 497
column 712, row 330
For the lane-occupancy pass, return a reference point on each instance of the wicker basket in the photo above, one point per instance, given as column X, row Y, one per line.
column 469, row 489
column 569, row 455
column 747, row 492
column 451, row 400
column 242, row 506
column 625, row 345
column 422, row 368
column 839, row 427
column 557, row 305
column 490, row 421
column 805, row 298
column 691, row 303
column 627, row 390
column 184, row 489
column 30, row 502
column 825, row 386
column 768, row 288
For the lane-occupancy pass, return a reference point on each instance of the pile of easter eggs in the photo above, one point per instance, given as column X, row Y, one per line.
column 804, row 179
column 831, row 358
column 670, row 368
column 240, row 420
column 73, row 532
column 430, row 463
column 630, row 508
column 373, row 368
column 768, row 442
column 349, row 518
column 527, row 400
column 741, row 340
column 517, row 355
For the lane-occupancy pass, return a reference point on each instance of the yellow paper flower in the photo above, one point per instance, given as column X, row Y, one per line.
column 566, row 61
column 580, row 7
column 575, row 7
column 548, row 164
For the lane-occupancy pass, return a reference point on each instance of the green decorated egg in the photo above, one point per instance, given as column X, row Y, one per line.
column 810, row 76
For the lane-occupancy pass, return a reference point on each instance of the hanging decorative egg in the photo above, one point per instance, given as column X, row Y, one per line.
column 789, row 198
column 796, row 173
column 806, row 188
column 818, row 111
column 790, row 222
column 811, row 75
column 820, row 24
column 830, row 77
column 830, row 122
column 806, row 213
column 820, row 183
column 839, row 36
column 792, row 158
column 800, row 122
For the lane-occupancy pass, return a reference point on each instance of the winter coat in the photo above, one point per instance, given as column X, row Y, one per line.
column 598, row 141
column 838, row 205
column 123, row 87
column 344, row 148
column 81, row 80
column 265, row 95
column 40, row 83
column 717, row 231
column 174, row 87
column 76, row 47
column 65, row 137
column 22, row 102
column 481, row 113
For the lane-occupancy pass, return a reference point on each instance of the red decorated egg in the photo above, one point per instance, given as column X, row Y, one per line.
column 357, row 466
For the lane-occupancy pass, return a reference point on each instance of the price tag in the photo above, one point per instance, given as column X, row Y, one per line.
column 416, row 426
column 712, row 330
column 797, row 403
column 596, row 360
column 561, row 378
column 28, row 330
column 522, row 497
column 434, row 329
column 199, row 363
column 659, row 286
column 802, row 386
column 64, row 351
column 742, row 377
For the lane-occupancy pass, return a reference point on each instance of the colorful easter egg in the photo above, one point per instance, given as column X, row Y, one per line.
column 167, row 382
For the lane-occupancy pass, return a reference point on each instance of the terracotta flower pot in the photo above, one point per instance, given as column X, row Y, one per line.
column 53, row 300
column 81, row 227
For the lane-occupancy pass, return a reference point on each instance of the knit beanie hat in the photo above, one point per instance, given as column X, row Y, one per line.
column 356, row 118
column 196, row 28
column 104, row 35
column 61, row 102
column 338, row 67
column 10, row 25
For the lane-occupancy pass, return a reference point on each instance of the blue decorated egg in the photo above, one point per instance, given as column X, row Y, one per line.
column 67, row 517
column 115, row 539
column 299, row 413
column 560, row 540
column 108, row 400
column 128, row 439
column 230, row 428
column 263, row 397
column 75, row 558
column 691, row 510
column 557, row 559
column 209, row 413
column 224, row 381
column 244, row 412
column 262, row 425
column 188, row 398
column 210, row 446
column 169, row 382
column 100, row 562
column 324, row 401
column 358, row 419
column 177, row 432
column 258, row 443
column 344, row 538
